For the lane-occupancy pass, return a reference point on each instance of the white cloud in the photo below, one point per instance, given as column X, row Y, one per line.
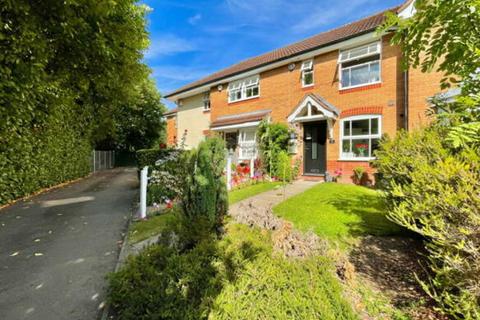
column 193, row 20
column 168, row 44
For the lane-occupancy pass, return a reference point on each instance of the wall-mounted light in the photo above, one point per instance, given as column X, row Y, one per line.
column 220, row 87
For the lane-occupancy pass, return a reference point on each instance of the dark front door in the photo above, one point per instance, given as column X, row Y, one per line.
column 314, row 146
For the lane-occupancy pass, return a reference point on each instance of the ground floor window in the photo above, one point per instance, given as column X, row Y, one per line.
column 360, row 136
column 247, row 143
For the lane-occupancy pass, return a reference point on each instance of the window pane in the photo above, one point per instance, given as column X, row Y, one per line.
column 346, row 128
column 375, row 126
column 360, row 127
column 346, row 149
column 255, row 91
column 375, row 72
column 346, row 78
column 360, row 148
column 360, row 75
column 358, row 52
column 307, row 78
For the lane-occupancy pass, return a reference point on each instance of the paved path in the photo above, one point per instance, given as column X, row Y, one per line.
column 271, row 198
column 56, row 248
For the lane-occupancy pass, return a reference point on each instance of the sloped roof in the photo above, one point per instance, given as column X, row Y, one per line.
column 258, row 115
column 323, row 39
column 170, row 112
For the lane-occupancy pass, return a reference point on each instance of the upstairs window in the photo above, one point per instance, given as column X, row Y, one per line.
column 206, row 101
column 360, row 66
column 360, row 136
column 244, row 89
column 307, row 73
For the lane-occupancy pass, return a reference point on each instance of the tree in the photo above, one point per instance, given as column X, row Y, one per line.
column 444, row 35
column 66, row 67
column 138, row 125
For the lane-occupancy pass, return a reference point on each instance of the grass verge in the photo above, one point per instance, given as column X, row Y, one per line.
column 142, row 230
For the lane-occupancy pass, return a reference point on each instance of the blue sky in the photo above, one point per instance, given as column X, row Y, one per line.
column 193, row 38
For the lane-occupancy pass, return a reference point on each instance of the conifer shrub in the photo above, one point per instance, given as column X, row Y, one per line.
column 204, row 192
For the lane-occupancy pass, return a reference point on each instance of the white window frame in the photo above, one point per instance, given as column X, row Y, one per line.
column 374, row 48
column 352, row 137
column 206, row 101
column 307, row 68
column 242, row 86
column 242, row 134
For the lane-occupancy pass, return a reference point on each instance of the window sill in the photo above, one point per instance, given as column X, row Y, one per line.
column 362, row 87
column 243, row 100
column 310, row 87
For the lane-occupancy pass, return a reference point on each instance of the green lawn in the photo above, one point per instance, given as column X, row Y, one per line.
column 338, row 212
column 249, row 191
column 141, row 230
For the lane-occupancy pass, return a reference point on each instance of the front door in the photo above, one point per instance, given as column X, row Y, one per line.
column 314, row 146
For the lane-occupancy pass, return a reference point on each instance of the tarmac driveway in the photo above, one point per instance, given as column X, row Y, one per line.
column 56, row 248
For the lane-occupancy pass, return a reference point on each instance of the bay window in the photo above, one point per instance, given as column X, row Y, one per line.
column 360, row 66
column 244, row 89
column 307, row 73
column 360, row 136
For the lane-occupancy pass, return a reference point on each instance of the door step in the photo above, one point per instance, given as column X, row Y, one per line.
column 313, row 178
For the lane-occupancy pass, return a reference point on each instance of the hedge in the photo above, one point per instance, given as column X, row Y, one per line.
column 34, row 159
column 148, row 157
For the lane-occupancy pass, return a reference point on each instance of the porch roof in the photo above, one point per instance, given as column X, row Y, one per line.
column 240, row 118
column 327, row 109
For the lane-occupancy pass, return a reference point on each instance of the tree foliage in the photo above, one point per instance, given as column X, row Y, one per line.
column 65, row 68
column 444, row 35
column 138, row 125
column 431, row 177
column 436, row 193
column 272, row 139
column 204, row 193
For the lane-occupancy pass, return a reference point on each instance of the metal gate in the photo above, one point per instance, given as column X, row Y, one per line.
column 102, row 160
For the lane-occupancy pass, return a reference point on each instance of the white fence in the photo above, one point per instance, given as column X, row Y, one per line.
column 102, row 160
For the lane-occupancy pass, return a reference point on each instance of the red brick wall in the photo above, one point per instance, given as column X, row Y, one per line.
column 171, row 130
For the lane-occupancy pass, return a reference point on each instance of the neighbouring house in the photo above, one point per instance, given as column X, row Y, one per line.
column 171, row 119
column 340, row 91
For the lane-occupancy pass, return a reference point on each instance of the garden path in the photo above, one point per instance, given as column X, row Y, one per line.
column 269, row 199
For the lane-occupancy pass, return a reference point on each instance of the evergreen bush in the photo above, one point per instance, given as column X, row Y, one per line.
column 435, row 192
column 204, row 191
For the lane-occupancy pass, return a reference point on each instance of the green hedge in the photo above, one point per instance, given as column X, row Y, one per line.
column 148, row 157
column 32, row 159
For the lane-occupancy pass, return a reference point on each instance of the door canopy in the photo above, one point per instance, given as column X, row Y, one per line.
column 312, row 108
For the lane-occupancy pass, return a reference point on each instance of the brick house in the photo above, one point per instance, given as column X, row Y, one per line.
column 340, row 91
